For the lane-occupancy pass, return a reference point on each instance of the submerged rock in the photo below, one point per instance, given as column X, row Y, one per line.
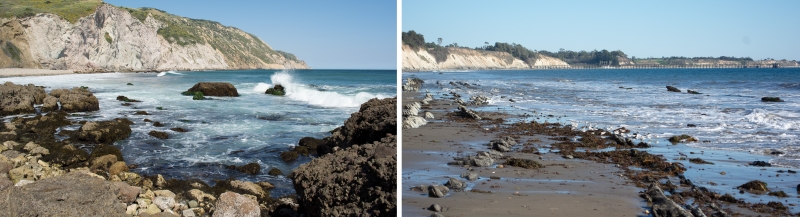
column 771, row 99
column 682, row 138
column 158, row 134
column 755, row 185
column 759, row 163
column 215, row 89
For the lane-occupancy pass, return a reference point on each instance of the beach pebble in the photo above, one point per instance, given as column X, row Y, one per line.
column 131, row 210
column 188, row 213
column 192, row 204
column 435, row 207
column 164, row 203
column 569, row 157
column 722, row 173
column 500, row 166
column 437, row 191
column 152, row 209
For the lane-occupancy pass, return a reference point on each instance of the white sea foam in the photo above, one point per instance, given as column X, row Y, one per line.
column 313, row 96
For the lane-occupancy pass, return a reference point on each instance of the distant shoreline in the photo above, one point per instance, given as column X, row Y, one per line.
column 610, row 67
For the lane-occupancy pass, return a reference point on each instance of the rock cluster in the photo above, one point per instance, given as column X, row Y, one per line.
column 371, row 123
column 22, row 99
column 277, row 90
column 503, row 145
column 412, row 84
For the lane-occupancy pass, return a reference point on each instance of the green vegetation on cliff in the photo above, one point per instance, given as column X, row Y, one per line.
column 237, row 45
column 71, row 10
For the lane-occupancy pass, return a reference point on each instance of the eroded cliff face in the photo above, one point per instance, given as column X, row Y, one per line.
column 111, row 39
column 464, row 59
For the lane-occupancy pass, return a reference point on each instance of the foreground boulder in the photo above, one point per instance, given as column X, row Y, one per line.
column 373, row 121
column 19, row 99
column 215, row 89
column 72, row 100
column 357, row 181
column 73, row 194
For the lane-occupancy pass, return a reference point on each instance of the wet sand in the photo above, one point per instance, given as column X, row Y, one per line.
column 20, row 72
column 565, row 187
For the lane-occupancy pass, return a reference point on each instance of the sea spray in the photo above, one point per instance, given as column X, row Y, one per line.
column 302, row 92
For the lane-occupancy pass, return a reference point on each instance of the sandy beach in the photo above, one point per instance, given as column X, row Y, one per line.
column 609, row 179
column 565, row 187
column 19, row 72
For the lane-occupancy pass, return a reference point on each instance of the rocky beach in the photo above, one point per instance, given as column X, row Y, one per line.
column 61, row 156
column 467, row 154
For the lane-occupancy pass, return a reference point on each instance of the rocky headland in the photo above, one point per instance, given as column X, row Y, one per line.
column 46, row 169
column 112, row 38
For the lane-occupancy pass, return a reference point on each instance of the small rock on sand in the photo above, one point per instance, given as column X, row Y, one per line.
column 437, row 191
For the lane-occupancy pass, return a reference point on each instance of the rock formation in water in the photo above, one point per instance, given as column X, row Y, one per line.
column 125, row 39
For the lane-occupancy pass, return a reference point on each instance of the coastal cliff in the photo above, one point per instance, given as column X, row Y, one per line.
column 124, row 39
column 462, row 59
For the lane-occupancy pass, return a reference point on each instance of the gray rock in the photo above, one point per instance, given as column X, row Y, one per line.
column 76, row 193
column 470, row 176
column 192, row 204
column 662, row 205
column 504, row 144
column 437, row 191
column 435, row 207
column 5, row 166
column 164, row 203
column 456, row 185
column 127, row 193
column 188, row 213
column 5, row 183
column 436, row 214
column 233, row 204
column 468, row 113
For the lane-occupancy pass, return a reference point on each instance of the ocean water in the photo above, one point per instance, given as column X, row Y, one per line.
column 254, row 127
column 728, row 115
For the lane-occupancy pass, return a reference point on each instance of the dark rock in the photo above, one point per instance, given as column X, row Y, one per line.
column 368, row 171
column 771, row 99
column 699, row 161
column 126, row 99
column 215, row 89
column 754, row 186
column 524, row 163
column 311, row 144
column 72, row 194
column 251, row 168
column 373, row 121
column 468, row 113
column 470, row 176
column 103, row 150
column 275, row 172
column 691, row 125
column 196, row 95
column 759, row 163
column 157, row 124
column 437, row 191
column 778, row 194
column 277, row 90
column 682, row 138
column 141, row 113
column 777, row 153
column 673, row 89
column 436, row 214
column 233, row 204
column 289, row 156
column 503, row 144
column 130, row 84
column 106, row 132
column 456, row 185
column 693, row 92
column 662, row 205
column 158, row 134
column 178, row 129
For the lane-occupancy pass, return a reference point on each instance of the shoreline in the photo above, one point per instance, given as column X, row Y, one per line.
column 702, row 174
column 31, row 72
column 591, row 68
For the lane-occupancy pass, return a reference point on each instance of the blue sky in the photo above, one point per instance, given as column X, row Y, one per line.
column 345, row 34
column 758, row 29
